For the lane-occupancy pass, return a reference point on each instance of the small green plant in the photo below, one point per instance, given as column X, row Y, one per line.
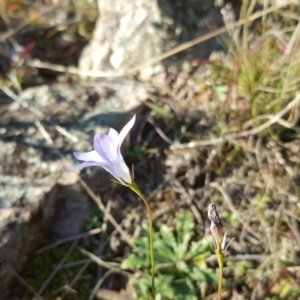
column 181, row 271
column 95, row 220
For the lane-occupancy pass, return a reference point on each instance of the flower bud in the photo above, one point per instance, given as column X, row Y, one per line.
column 216, row 226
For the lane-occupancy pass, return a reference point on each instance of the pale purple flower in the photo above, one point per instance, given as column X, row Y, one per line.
column 107, row 154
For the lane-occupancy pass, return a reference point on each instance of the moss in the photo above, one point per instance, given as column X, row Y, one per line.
column 41, row 266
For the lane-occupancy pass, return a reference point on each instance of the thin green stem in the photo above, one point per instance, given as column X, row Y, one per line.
column 220, row 257
column 135, row 188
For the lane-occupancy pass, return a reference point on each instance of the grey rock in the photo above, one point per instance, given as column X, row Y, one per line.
column 129, row 33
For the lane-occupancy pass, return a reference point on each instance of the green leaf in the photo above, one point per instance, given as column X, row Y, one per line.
column 199, row 250
column 163, row 251
column 184, row 228
column 182, row 266
column 142, row 242
column 135, row 261
column 164, row 288
column 185, row 224
column 168, row 237
column 185, row 290
column 142, row 286
column 202, row 275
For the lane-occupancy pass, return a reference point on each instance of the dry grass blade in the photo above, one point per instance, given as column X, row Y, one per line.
column 75, row 279
column 105, row 294
column 99, row 283
column 98, row 201
column 243, row 134
column 159, row 131
column 44, row 132
column 102, row 263
column 69, row 239
column 35, row 63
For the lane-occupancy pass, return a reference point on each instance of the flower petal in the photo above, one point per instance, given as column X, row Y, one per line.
column 120, row 171
column 106, row 148
column 125, row 131
column 87, row 164
column 88, row 156
column 113, row 134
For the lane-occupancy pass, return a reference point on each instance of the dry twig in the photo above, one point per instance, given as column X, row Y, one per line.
column 103, row 264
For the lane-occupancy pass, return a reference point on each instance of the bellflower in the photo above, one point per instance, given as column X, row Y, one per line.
column 107, row 154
